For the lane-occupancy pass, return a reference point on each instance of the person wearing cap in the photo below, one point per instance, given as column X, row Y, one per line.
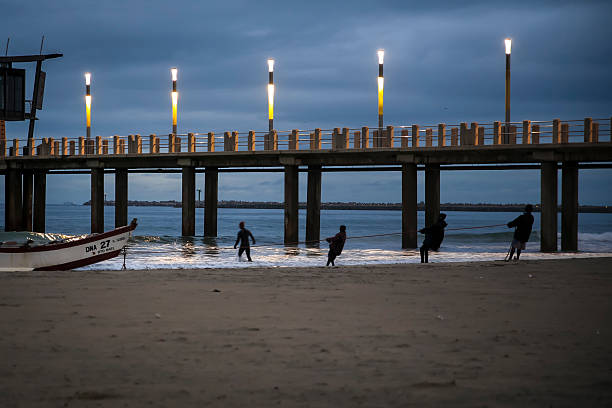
column 523, row 224
column 433, row 237
column 336, row 244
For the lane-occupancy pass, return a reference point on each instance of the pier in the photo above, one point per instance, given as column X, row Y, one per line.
column 547, row 145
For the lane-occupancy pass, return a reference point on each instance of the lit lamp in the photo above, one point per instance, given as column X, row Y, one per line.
column 88, row 103
column 270, row 94
column 381, row 87
column 508, row 43
column 174, row 72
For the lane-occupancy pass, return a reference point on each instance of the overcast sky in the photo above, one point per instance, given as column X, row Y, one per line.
column 444, row 62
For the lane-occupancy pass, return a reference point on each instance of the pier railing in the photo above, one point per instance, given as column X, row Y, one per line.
column 441, row 135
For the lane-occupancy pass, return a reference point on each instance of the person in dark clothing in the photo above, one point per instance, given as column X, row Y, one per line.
column 336, row 244
column 243, row 238
column 433, row 237
column 523, row 224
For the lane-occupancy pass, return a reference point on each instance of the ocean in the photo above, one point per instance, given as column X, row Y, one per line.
column 157, row 242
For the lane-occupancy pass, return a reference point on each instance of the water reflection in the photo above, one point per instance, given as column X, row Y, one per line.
column 292, row 251
column 186, row 246
column 211, row 246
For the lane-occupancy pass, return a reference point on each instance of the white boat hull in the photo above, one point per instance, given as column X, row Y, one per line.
column 69, row 255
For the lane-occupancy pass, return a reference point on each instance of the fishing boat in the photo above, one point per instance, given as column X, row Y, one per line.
column 48, row 252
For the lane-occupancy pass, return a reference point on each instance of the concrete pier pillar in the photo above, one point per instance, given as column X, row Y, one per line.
column 12, row 196
column 121, row 197
column 548, row 202
column 188, row 201
column 569, row 205
column 28, row 186
column 40, row 200
column 409, row 205
column 211, row 195
column 291, row 205
column 432, row 193
column 313, row 206
column 97, row 200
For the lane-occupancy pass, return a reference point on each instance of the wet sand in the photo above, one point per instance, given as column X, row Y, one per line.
column 537, row 333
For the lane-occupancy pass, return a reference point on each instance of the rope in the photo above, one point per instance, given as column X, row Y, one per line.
column 362, row 236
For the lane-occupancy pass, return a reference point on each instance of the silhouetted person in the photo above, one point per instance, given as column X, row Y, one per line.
column 336, row 244
column 243, row 238
column 433, row 237
column 523, row 224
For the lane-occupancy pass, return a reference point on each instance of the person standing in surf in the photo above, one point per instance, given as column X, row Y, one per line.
column 336, row 244
column 243, row 238
column 433, row 237
column 523, row 224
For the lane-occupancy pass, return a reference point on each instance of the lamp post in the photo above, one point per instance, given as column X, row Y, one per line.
column 381, row 87
column 88, row 106
column 174, row 73
column 508, row 43
column 270, row 95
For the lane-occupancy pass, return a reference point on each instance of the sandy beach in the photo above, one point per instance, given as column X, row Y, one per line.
column 536, row 333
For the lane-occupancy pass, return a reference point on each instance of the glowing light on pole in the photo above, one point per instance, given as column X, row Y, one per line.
column 270, row 94
column 381, row 87
column 508, row 43
column 88, row 103
column 174, row 73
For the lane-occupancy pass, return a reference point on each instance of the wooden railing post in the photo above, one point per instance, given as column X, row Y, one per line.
column 390, row 136
column 365, row 137
column 535, row 134
column 234, row 141
column 429, row 137
column 357, row 139
column 334, row 143
column 344, row 138
column 72, row 148
column 115, row 144
column 441, row 135
column 588, row 130
column 454, row 136
column 211, row 141
column 405, row 136
column 497, row 136
column 480, row 137
column 317, row 140
column 191, row 143
column 14, row 150
column 556, row 131
column 274, row 140
column 151, row 143
column 463, row 133
column 138, row 144
column 595, row 133
column 81, row 146
column 565, row 133
column 171, row 142
column 526, row 139
column 294, row 139
column 415, row 135
column 64, row 150
column 105, row 146
column 251, row 141
column 98, row 145
column 226, row 142
column 473, row 133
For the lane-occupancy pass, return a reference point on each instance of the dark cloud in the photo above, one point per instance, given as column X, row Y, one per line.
column 444, row 63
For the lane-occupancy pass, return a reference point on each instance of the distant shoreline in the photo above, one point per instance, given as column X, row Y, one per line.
column 481, row 207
